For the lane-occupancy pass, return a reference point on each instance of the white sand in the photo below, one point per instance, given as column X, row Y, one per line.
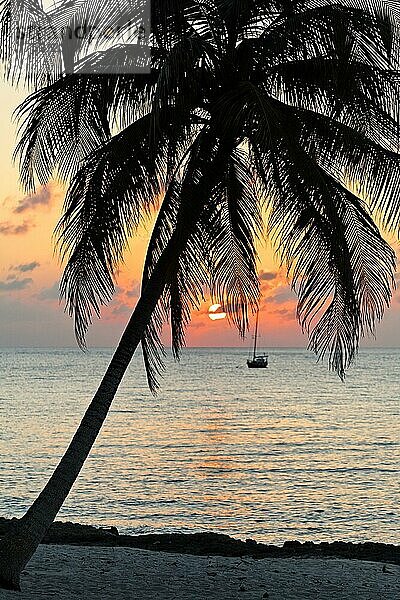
column 68, row 572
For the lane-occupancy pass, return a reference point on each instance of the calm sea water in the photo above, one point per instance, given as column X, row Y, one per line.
column 285, row 453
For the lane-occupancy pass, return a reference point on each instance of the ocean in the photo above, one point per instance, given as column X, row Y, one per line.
column 289, row 452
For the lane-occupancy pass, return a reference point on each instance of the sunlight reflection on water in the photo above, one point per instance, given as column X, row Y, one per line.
column 289, row 452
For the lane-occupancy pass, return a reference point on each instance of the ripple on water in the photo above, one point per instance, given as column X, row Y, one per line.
column 287, row 453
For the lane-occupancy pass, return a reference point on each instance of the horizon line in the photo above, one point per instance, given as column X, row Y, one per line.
column 75, row 347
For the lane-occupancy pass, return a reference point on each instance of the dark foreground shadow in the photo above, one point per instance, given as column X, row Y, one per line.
column 211, row 544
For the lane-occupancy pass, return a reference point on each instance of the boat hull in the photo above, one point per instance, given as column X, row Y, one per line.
column 260, row 363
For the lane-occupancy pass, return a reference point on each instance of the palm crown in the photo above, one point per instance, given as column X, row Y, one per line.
column 257, row 117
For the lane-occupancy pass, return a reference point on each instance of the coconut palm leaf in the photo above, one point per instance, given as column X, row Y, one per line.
column 107, row 200
column 315, row 29
column 220, row 255
column 61, row 124
column 120, row 17
column 322, row 73
column 294, row 103
column 30, row 47
column 333, row 146
column 182, row 207
column 343, row 288
column 367, row 93
column 39, row 45
column 235, row 225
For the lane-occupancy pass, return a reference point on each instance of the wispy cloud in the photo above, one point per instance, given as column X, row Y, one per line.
column 15, row 285
column 124, row 299
column 121, row 309
column 282, row 296
column 25, row 268
column 267, row 276
column 134, row 291
column 286, row 313
column 40, row 198
column 7, row 228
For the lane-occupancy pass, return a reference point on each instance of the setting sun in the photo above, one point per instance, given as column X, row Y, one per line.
column 216, row 313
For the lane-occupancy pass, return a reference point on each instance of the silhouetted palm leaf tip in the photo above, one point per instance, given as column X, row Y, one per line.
column 258, row 117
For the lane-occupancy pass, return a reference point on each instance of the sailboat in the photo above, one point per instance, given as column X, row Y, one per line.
column 258, row 361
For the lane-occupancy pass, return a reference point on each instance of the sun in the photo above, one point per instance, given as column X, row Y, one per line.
column 216, row 313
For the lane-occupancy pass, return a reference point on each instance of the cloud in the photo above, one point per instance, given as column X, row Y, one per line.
column 267, row 276
column 7, row 228
column 135, row 291
column 7, row 201
column 122, row 303
column 41, row 198
column 51, row 293
column 281, row 296
column 130, row 290
column 122, row 309
column 193, row 325
column 26, row 267
column 16, row 284
column 285, row 312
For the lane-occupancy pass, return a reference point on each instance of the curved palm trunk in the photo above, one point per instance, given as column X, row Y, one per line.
column 19, row 545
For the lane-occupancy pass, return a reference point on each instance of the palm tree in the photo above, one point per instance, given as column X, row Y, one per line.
column 254, row 112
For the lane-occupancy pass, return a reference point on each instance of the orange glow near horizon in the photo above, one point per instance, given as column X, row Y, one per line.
column 30, row 313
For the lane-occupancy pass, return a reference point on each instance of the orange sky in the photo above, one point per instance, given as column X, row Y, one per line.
column 30, row 314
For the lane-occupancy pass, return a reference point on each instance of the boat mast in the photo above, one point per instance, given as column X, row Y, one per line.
column 255, row 336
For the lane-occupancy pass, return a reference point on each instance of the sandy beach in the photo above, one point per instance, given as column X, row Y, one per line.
column 96, row 563
column 94, row 573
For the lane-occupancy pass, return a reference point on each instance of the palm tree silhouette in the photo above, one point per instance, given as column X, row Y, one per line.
column 253, row 112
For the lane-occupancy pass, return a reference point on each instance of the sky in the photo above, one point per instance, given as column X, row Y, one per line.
column 30, row 313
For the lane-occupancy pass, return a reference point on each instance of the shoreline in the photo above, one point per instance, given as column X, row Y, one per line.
column 211, row 544
column 94, row 563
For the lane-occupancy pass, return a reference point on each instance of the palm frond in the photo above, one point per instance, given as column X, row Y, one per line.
column 83, row 24
column 29, row 44
column 343, row 287
column 62, row 123
column 317, row 30
column 354, row 160
column 219, row 253
column 110, row 195
column 172, row 19
column 178, row 225
column 231, row 230
column 354, row 93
